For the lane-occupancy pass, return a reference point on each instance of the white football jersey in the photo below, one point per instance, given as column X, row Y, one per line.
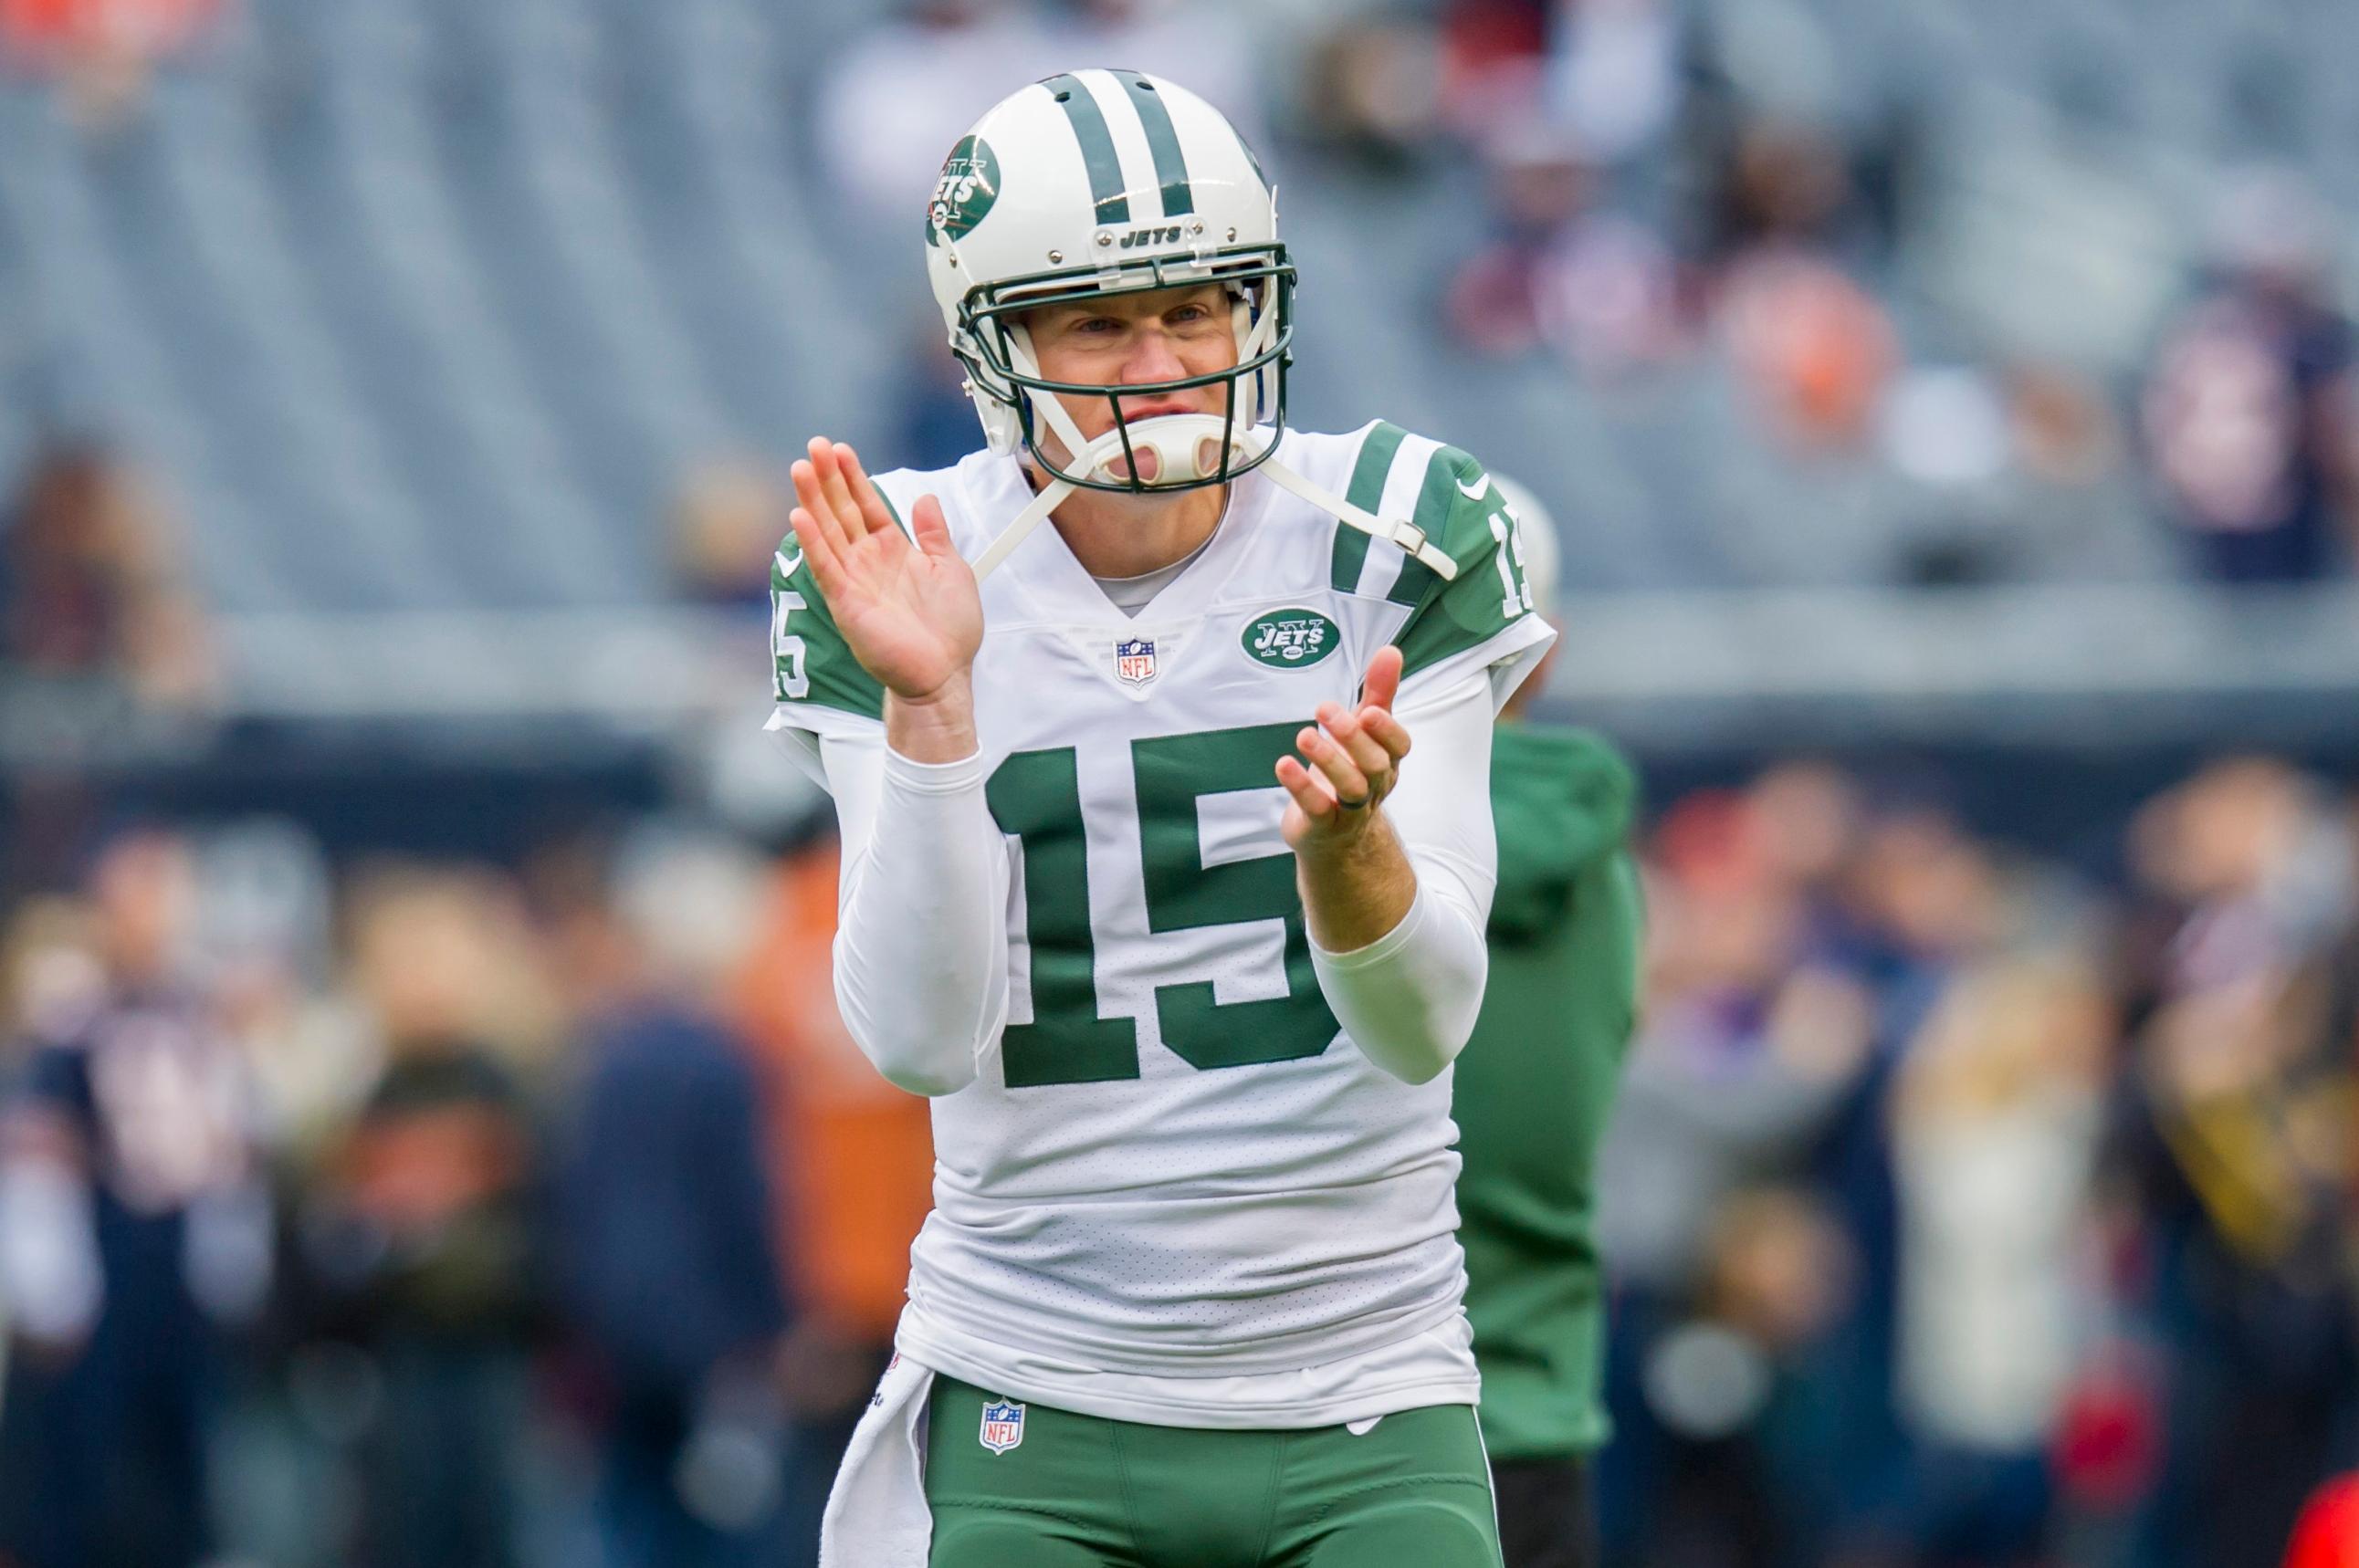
column 1175, row 1166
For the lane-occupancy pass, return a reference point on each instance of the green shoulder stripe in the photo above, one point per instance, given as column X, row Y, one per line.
column 1440, row 510
column 811, row 662
column 1367, row 488
column 1463, row 511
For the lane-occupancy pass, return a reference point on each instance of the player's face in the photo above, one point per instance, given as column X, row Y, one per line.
column 1130, row 340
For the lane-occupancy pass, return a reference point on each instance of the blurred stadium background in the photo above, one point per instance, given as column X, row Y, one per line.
column 1946, row 406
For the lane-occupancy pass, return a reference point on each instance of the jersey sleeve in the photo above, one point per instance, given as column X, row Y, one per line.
column 817, row 687
column 1482, row 619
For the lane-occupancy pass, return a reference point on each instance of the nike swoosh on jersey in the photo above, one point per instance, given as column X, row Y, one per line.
column 1475, row 491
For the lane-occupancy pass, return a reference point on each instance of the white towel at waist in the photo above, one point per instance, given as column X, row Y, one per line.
column 876, row 1513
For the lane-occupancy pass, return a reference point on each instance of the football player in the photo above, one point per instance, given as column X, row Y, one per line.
column 1141, row 885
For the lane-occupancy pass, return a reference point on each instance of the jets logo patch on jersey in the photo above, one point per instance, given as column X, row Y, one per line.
column 1134, row 660
column 1003, row 1425
column 1290, row 638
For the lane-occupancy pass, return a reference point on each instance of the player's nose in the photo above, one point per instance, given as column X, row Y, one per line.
column 1153, row 357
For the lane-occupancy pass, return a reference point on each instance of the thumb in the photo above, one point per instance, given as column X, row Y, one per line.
column 1382, row 683
column 931, row 528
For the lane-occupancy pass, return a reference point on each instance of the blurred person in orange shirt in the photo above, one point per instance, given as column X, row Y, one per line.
column 852, row 1156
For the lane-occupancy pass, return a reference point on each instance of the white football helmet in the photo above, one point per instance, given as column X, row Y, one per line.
column 1097, row 182
column 1105, row 182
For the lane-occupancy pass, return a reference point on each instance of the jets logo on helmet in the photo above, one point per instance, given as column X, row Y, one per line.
column 964, row 195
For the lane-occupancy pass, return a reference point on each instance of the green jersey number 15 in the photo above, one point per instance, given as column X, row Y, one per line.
column 1037, row 796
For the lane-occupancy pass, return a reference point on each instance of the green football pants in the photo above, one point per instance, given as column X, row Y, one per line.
column 1075, row 1491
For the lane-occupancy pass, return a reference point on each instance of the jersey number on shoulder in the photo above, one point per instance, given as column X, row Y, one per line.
column 1507, row 528
column 787, row 648
column 1037, row 796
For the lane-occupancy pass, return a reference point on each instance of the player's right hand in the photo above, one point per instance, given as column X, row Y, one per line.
column 909, row 611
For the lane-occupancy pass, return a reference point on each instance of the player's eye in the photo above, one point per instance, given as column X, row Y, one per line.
column 1097, row 325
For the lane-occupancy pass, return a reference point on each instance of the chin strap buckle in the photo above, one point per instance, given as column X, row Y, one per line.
column 1408, row 536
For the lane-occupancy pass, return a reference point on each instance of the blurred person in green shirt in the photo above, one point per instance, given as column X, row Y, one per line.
column 1534, row 1089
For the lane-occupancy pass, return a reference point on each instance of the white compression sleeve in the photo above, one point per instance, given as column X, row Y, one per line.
column 1409, row 999
column 921, row 937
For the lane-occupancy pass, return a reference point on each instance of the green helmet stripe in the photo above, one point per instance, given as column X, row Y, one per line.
column 1246, row 148
column 1171, row 163
column 1097, row 146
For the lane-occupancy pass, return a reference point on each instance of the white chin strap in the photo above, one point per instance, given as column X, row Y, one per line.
column 1187, row 449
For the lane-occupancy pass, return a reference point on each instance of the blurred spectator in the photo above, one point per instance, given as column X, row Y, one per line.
column 2234, row 1140
column 1812, row 345
column 1598, row 288
column 420, row 1233
column 91, row 585
column 1491, row 53
column 1373, row 90
column 1757, row 1042
column 1748, row 1048
column 1539, row 185
column 265, row 897
column 1997, row 1118
column 665, row 1225
column 134, row 1227
column 1727, row 1389
column 1612, row 73
column 2249, row 410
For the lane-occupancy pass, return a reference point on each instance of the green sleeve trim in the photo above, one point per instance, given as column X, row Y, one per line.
column 1460, row 510
column 811, row 665
column 1367, row 489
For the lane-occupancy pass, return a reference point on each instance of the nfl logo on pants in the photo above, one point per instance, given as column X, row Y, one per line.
column 1003, row 1425
column 1134, row 660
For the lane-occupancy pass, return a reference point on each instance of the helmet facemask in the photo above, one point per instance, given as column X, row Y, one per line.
column 993, row 344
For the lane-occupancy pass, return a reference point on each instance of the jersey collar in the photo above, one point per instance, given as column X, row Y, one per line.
column 1054, row 586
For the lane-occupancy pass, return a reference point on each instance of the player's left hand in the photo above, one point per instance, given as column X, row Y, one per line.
column 1352, row 757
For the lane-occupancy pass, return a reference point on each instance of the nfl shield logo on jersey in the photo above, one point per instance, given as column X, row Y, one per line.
column 1134, row 661
column 1003, row 1425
